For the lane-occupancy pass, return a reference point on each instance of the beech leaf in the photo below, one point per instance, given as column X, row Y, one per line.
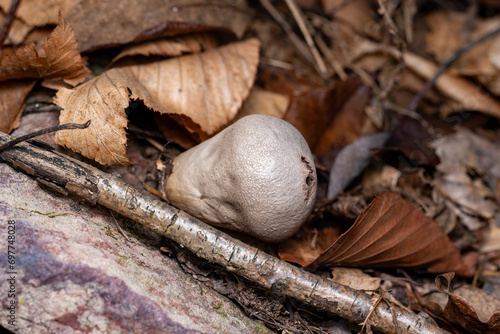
column 203, row 90
column 58, row 60
column 460, row 311
column 391, row 232
column 208, row 87
column 103, row 101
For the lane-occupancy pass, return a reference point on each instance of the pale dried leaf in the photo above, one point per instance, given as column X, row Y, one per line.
column 351, row 161
column 12, row 95
column 261, row 101
column 40, row 12
column 207, row 87
column 103, row 101
column 170, row 47
column 355, row 278
column 58, row 60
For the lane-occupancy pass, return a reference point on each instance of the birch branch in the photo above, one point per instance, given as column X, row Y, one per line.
column 72, row 177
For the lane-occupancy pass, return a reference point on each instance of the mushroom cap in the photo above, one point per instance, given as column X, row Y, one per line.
column 256, row 176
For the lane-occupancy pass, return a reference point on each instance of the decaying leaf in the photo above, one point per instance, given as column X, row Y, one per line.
column 391, row 232
column 351, row 161
column 461, row 90
column 12, row 95
column 449, row 31
column 204, row 91
column 59, row 60
column 355, row 278
column 106, row 23
column 39, row 13
column 465, row 151
column 170, row 47
column 329, row 117
column 482, row 318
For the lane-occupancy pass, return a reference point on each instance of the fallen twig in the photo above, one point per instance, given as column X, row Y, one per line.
column 67, row 126
column 297, row 14
column 86, row 182
column 299, row 45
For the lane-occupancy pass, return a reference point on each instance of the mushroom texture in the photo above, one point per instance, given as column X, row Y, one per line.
column 257, row 176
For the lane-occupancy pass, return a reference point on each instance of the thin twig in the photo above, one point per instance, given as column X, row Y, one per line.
column 337, row 67
column 67, row 126
column 7, row 23
column 297, row 14
column 443, row 67
column 299, row 45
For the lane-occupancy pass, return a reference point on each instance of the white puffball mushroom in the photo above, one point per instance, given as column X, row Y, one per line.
column 257, row 176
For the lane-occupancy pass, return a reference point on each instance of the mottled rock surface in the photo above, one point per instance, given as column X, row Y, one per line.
column 79, row 272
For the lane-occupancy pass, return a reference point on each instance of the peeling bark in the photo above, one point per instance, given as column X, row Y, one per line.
column 86, row 182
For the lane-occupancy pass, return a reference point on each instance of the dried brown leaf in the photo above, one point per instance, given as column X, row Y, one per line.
column 207, row 87
column 480, row 319
column 171, row 47
column 105, row 23
column 39, row 13
column 328, row 117
column 355, row 278
column 103, row 101
column 12, row 95
column 58, row 60
column 202, row 90
column 391, row 232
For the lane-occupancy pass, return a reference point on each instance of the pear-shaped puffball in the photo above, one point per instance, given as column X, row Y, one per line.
column 256, row 176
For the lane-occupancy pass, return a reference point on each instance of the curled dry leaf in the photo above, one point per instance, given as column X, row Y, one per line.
column 391, row 232
column 202, row 90
column 103, row 23
column 58, row 60
column 171, row 47
column 459, row 310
